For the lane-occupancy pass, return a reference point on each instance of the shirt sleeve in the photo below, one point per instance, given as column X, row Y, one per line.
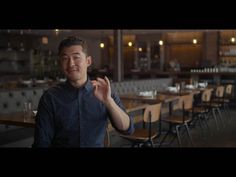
column 130, row 130
column 44, row 128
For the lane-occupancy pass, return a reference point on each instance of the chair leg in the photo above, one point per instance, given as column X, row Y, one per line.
column 214, row 116
column 230, row 115
column 201, row 125
column 205, row 120
column 178, row 135
column 225, row 114
column 167, row 133
column 220, row 116
column 186, row 125
column 228, row 110
column 151, row 142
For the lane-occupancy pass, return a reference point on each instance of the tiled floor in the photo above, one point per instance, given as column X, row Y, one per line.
column 226, row 137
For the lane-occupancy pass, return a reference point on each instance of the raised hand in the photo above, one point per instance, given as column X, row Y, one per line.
column 102, row 89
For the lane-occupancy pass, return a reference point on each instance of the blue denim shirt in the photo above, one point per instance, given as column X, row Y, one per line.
column 72, row 117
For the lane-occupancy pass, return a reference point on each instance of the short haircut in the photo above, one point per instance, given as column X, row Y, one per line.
column 73, row 40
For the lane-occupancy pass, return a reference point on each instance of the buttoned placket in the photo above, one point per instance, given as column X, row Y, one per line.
column 79, row 113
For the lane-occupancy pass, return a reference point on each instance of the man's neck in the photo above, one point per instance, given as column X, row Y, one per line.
column 78, row 83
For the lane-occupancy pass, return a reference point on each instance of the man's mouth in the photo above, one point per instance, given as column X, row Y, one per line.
column 71, row 70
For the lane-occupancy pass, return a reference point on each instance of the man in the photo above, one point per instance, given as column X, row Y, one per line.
column 76, row 113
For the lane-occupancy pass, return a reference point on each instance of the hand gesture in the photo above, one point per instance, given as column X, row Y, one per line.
column 102, row 89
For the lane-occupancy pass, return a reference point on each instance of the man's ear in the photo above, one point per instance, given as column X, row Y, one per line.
column 89, row 60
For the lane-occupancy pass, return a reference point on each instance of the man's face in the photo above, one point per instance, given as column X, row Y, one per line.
column 74, row 63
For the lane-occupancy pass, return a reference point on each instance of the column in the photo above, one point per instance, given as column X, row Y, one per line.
column 118, row 74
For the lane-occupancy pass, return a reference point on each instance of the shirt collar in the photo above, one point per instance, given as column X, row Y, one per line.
column 88, row 86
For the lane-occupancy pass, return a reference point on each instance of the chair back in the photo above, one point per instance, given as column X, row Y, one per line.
column 152, row 113
column 229, row 89
column 206, row 95
column 187, row 101
column 220, row 91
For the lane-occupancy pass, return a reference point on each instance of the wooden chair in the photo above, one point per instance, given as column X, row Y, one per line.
column 217, row 103
column 145, row 136
column 228, row 95
column 107, row 141
column 201, row 110
column 179, row 120
column 229, row 91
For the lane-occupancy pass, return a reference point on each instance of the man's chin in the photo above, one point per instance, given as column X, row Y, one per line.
column 73, row 78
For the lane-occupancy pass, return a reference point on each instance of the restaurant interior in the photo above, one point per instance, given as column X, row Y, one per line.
column 184, row 78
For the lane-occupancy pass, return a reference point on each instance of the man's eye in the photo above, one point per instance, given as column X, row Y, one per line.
column 76, row 57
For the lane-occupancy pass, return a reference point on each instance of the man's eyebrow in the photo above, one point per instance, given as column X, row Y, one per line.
column 75, row 53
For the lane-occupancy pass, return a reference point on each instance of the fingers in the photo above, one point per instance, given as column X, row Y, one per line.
column 98, row 83
column 107, row 80
column 101, row 82
column 94, row 83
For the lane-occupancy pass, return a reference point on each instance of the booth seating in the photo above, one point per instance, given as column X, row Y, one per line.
column 13, row 100
column 135, row 86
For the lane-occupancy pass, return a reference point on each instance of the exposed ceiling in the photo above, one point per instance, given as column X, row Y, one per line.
column 98, row 33
column 94, row 33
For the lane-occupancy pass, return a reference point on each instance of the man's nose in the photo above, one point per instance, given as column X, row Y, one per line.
column 71, row 61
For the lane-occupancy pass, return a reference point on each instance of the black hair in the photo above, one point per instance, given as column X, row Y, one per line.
column 73, row 40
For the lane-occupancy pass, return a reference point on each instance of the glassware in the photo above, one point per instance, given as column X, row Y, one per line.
column 205, row 84
column 177, row 85
column 182, row 85
column 195, row 83
column 27, row 111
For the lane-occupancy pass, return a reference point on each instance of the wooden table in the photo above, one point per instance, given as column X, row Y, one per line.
column 136, row 108
column 18, row 119
column 164, row 98
column 182, row 92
